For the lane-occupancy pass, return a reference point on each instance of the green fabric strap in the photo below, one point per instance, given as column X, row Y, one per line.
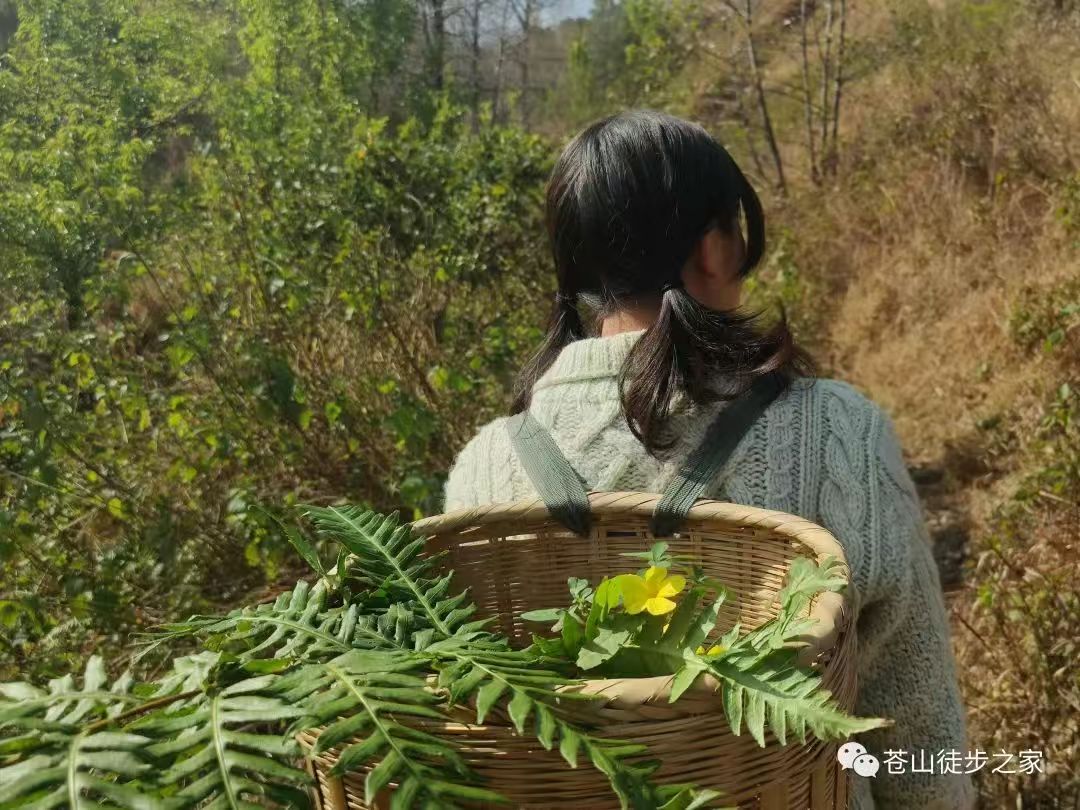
column 564, row 491
column 703, row 465
column 558, row 484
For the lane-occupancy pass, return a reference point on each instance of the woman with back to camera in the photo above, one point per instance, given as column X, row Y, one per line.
column 646, row 215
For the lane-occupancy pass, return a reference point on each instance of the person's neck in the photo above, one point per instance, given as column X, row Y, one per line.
column 635, row 317
column 630, row 319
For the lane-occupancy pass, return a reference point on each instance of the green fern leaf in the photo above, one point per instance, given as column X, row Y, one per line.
column 387, row 557
column 62, row 752
column 299, row 625
column 792, row 698
column 222, row 758
column 367, row 696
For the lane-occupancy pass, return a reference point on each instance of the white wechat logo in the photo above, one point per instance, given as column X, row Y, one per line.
column 853, row 755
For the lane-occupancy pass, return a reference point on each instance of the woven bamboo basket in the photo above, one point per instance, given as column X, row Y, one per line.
column 516, row 557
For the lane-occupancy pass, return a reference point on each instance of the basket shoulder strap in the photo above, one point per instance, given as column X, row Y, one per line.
column 555, row 480
column 706, row 460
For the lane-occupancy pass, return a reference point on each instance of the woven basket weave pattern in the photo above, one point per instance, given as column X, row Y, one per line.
column 515, row 558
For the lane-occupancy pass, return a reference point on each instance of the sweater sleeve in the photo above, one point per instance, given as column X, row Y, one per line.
column 483, row 470
column 907, row 672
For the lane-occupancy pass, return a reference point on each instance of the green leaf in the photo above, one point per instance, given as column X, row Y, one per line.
column 604, row 599
column 379, row 776
column 795, row 693
column 682, row 681
column 66, row 748
column 354, row 757
column 702, row 625
column 606, row 644
column 545, row 726
column 733, row 706
column 520, row 706
column 681, row 619
column 755, row 716
column 578, row 587
column 573, row 634
column 298, row 542
column 569, row 744
column 465, row 685
column 545, row 615
column 404, row 797
column 486, row 697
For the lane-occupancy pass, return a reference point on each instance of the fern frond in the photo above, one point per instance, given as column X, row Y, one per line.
column 492, row 675
column 60, row 753
column 368, row 695
column 788, row 697
column 297, row 625
column 388, row 558
column 219, row 755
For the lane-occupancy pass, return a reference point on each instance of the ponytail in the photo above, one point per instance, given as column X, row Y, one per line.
column 710, row 355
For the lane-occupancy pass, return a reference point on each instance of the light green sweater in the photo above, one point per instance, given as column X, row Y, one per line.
column 824, row 452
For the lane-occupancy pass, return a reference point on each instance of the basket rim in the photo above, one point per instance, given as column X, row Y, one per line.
column 642, row 505
column 834, row 612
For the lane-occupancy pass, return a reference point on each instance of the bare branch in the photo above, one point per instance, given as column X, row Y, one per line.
column 807, row 103
column 826, row 75
column 834, row 156
column 763, row 104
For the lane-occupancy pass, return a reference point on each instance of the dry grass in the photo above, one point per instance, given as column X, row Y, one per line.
column 943, row 222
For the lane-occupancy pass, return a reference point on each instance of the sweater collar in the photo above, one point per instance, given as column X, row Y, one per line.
column 590, row 359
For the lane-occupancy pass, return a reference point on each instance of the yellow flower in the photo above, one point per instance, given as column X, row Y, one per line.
column 651, row 592
column 715, row 649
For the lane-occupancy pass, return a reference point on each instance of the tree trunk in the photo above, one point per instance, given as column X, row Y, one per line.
column 474, row 63
column 744, row 119
column 808, row 104
column 826, row 75
column 525, row 18
column 763, row 104
column 500, row 64
column 834, row 154
column 437, row 49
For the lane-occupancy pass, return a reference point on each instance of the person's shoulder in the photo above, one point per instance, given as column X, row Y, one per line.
column 858, row 420
column 482, row 469
column 821, row 390
column 489, row 438
column 844, row 407
column 845, row 414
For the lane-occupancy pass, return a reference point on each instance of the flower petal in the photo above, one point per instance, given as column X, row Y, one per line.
column 634, row 592
column 654, row 578
column 658, row 606
column 671, row 586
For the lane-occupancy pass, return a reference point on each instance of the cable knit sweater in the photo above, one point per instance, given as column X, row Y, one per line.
column 822, row 451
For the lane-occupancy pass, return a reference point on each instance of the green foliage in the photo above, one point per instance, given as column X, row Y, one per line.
column 59, row 748
column 1020, row 623
column 90, row 96
column 1069, row 208
column 214, row 756
column 376, row 649
column 757, row 671
column 232, row 282
column 632, row 54
column 365, row 695
column 1045, row 320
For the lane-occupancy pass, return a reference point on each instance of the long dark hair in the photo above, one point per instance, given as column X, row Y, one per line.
column 627, row 202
